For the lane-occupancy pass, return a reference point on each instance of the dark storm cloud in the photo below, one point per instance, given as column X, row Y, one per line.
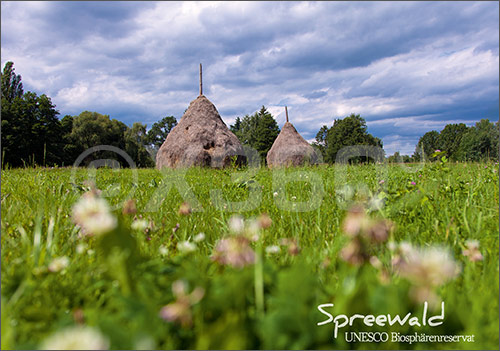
column 406, row 67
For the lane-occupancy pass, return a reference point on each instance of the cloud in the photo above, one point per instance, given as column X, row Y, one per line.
column 406, row 67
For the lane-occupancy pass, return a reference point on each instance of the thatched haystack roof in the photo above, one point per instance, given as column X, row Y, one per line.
column 200, row 139
column 290, row 149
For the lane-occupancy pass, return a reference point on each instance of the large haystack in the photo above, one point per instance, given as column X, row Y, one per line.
column 200, row 139
column 290, row 149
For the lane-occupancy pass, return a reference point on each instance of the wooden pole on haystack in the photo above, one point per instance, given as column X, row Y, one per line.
column 286, row 113
column 201, row 83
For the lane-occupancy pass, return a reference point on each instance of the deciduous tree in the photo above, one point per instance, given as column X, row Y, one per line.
column 349, row 131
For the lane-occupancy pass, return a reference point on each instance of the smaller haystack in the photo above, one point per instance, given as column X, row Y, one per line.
column 290, row 148
column 200, row 139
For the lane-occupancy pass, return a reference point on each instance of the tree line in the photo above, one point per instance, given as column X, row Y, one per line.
column 461, row 143
column 33, row 134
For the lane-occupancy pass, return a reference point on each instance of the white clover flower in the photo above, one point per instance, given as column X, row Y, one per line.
column 199, row 237
column 76, row 338
column 186, row 246
column 375, row 203
column 471, row 251
column 185, row 209
column 375, row 262
column 430, row 267
column 406, row 248
column 80, row 248
column 273, row 249
column 234, row 251
column 236, row 224
column 392, row 246
column 180, row 310
column 58, row 264
column 163, row 250
column 139, row 225
column 249, row 228
column 93, row 215
column 275, row 194
column 252, row 229
column 265, row 221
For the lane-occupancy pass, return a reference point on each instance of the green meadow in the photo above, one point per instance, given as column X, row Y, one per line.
column 163, row 277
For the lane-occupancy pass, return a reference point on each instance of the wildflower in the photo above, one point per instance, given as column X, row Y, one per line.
column 129, row 207
column 76, row 338
column 249, row 228
column 272, row 249
column 375, row 262
column 163, row 250
column 353, row 253
column 392, row 246
column 180, row 310
column 293, row 248
column 406, row 248
column 363, row 232
column 294, row 198
column 93, row 215
column 425, row 269
column 429, row 267
column 234, row 251
column 413, row 183
column 472, row 251
column 376, row 203
column 353, row 222
column 252, row 229
column 265, row 221
column 199, row 237
column 139, row 225
column 358, row 223
column 186, row 246
column 177, row 226
column 437, row 150
column 275, row 194
column 184, row 209
column 58, row 264
column 80, row 248
column 379, row 231
column 381, row 182
column 236, row 224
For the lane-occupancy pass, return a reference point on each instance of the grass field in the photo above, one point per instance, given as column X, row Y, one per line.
column 160, row 284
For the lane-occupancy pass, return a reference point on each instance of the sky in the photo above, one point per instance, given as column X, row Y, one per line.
column 405, row 67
